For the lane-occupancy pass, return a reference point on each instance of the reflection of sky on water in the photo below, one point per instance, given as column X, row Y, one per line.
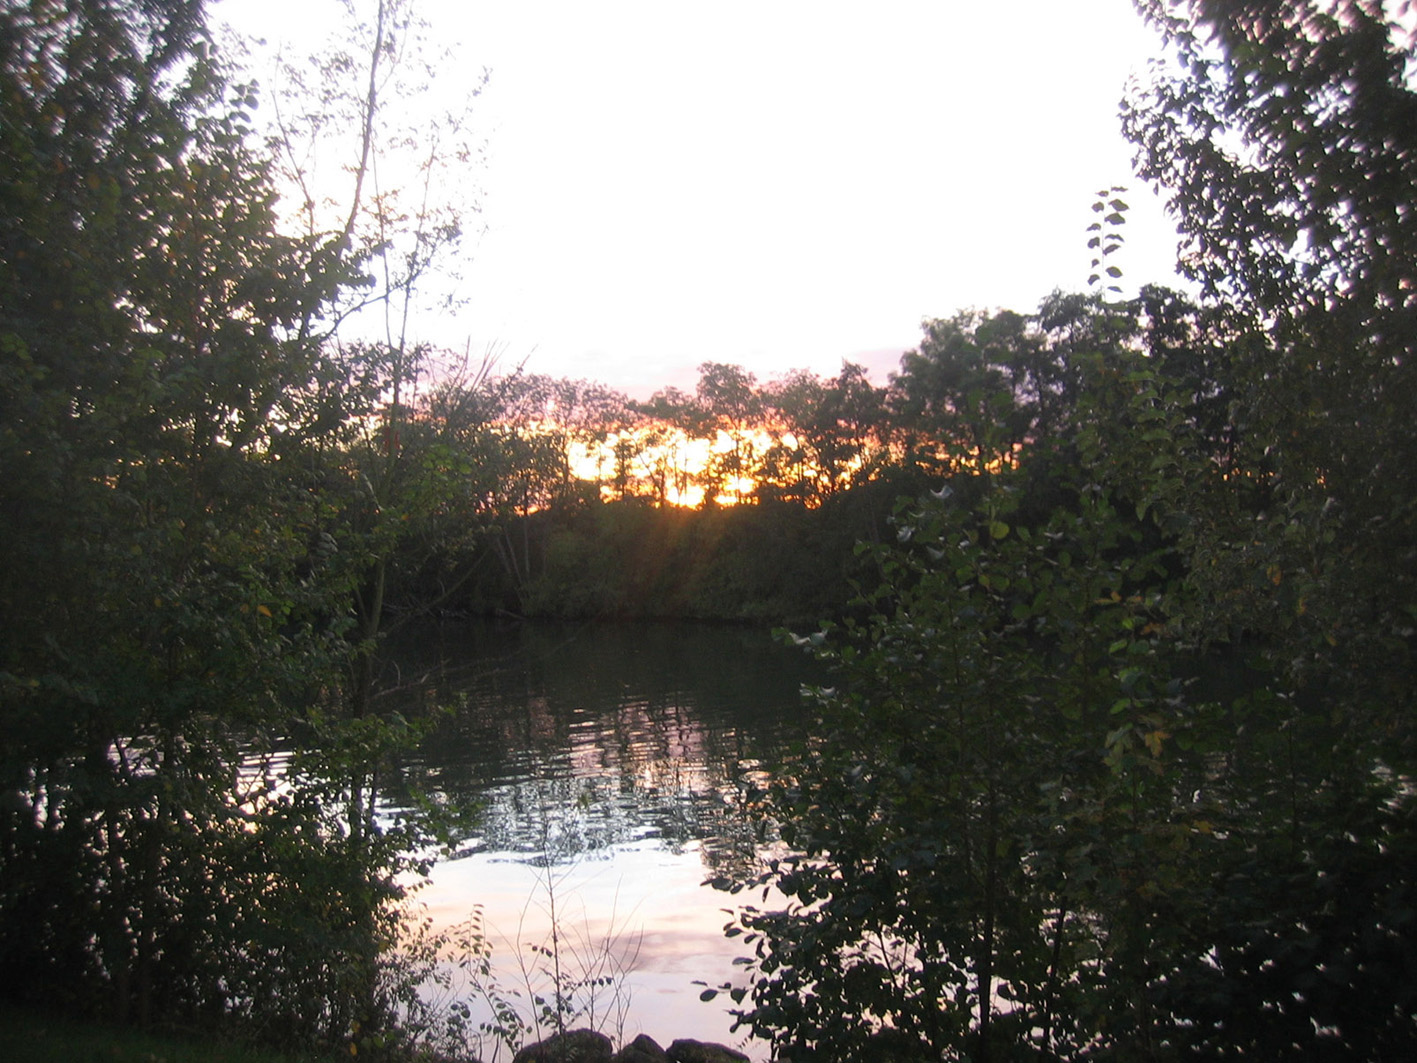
column 649, row 900
column 615, row 760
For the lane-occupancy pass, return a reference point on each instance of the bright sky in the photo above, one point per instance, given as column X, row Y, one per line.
column 774, row 184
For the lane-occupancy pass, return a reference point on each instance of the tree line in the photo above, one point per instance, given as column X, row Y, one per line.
column 575, row 482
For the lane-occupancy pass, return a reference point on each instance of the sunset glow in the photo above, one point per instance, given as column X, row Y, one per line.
column 665, row 463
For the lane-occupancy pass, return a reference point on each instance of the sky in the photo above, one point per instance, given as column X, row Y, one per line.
column 778, row 185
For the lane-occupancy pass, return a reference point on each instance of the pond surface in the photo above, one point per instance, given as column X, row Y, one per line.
column 610, row 762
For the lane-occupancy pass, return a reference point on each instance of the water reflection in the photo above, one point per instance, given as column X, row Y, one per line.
column 578, row 738
column 613, row 758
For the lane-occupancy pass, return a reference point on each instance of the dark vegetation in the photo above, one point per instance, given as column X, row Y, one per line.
column 1037, row 823
column 30, row 1037
column 1120, row 765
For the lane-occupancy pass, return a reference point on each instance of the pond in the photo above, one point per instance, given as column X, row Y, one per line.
column 610, row 763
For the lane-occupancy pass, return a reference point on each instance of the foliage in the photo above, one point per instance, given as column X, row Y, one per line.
column 1311, row 247
column 172, row 597
column 832, row 438
column 1284, row 133
column 401, row 485
column 971, row 864
column 1121, row 766
column 799, row 439
column 766, row 563
column 32, row 1037
column 1031, row 824
column 1285, row 136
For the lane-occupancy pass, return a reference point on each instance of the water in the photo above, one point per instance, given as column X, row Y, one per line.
column 610, row 763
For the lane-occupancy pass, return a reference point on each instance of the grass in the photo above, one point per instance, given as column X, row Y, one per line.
column 39, row 1038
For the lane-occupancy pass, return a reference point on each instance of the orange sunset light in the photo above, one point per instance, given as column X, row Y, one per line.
column 666, row 463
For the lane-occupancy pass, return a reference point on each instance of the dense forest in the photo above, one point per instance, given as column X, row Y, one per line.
column 1119, row 593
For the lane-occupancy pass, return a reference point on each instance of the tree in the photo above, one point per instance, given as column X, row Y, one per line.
column 1219, row 553
column 374, row 192
column 730, row 401
column 170, row 611
column 1088, row 783
column 1283, row 136
column 833, row 426
column 680, row 418
column 986, row 847
column 1283, row 133
column 387, row 204
column 970, row 377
